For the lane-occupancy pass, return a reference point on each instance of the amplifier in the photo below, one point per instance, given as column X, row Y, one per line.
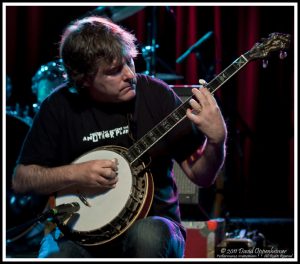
column 183, row 91
column 188, row 191
column 209, row 200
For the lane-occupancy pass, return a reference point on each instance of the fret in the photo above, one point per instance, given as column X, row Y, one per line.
column 156, row 132
column 213, row 85
column 128, row 155
column 185, row 106
column 148, row 140
column 175, row 116
column 138, row 147
column 227, row 74
column 150, row 137
column 166, row 124
column 159, row 130
column 133, row 151
column 181, row 110
column 143, row 143
column 171, row 121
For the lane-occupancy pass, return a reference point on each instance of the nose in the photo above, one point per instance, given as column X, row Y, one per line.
column 129, row 72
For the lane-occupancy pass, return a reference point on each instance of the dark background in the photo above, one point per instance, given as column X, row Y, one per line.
column 257, row 103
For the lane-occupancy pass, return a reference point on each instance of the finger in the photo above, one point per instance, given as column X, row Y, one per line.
column 115, row 160
column 109, row 173
column 112, row 181
column 192, row 116
column 107, row 176
column 113, row 163
column 196, row 106
column 200, row 96
column 111, row 186
column 106, row 182
column 115, row 168
column 210, row 98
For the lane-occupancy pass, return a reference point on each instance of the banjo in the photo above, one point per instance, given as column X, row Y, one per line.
column 104, row 215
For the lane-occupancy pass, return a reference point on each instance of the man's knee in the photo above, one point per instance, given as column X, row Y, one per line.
column 154, row 237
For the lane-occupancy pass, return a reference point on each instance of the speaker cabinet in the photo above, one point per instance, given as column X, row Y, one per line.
column 208, row 200
column 188, row 191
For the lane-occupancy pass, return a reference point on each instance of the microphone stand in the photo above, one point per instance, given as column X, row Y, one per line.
column 194, row 47
column 13, row 233
column 149, row 51
column 153, row 41
column 16, row 232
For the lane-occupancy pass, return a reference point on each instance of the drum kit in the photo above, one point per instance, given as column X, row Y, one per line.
column 19, row 120
column 20, row 209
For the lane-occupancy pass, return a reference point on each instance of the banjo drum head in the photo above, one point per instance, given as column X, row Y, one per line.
column 104, row 205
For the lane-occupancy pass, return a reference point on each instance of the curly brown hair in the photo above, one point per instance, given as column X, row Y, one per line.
column 90, row 42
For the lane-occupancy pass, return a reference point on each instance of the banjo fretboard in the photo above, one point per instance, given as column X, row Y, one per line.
column 175, row 117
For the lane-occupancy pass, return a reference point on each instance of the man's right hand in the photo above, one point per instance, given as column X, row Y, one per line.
column 97, row 173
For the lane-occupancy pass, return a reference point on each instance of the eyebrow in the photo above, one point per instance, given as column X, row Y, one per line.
column 119, row 65
column 113, row 68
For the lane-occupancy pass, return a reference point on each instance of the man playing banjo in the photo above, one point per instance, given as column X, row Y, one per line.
column 104, row 109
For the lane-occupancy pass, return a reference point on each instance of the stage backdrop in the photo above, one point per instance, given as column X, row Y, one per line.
column 257, row 103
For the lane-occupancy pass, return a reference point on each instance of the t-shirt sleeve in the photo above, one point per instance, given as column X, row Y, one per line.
column 42, row 141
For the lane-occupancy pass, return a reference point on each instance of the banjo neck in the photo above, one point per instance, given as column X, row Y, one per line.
column 261, row 50
column 140, row 147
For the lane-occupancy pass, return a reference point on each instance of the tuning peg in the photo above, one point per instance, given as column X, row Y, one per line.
column 265, row 64
column 282, row 54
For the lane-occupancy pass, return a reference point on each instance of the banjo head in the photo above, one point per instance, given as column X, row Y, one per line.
column 102, row 205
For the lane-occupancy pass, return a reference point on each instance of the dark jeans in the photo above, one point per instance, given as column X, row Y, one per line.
column 152, row 237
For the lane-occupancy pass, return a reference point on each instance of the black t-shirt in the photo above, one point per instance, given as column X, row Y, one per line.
column 69, row 124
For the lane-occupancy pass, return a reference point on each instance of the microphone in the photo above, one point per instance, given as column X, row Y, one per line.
column 66, row 208
column 58, row 211
column 195, row 46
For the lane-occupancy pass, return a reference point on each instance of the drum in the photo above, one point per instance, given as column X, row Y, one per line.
column 19, row 208
column 46, row 79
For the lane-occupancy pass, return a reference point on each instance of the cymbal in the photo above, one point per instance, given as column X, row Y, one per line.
column 168, row 76
column 117, row 13
column 121, row 12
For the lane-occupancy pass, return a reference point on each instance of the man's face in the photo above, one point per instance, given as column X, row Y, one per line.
column 113, row 83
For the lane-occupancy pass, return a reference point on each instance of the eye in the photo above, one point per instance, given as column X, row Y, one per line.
column 114, row 71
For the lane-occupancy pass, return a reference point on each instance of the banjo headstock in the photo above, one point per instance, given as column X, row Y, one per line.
column 275, row 42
